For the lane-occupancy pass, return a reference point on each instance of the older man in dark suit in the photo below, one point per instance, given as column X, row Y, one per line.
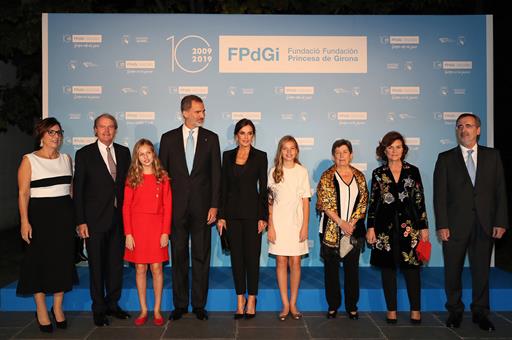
column 98, row 191
column 191, row 155
column 470, row 205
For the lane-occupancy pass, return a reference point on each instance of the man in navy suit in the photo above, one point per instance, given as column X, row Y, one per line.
column 98, row 191
column 191, row 155
column 470, row 204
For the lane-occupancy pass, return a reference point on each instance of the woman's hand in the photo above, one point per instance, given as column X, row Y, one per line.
column 164, row 240
column 261, row 226
column 271, row 234
column 370, row 236
column 346, row 227
column 130, row 242
column 424, row 235
column 221, row 224
column 303, row 235
column 26, row 232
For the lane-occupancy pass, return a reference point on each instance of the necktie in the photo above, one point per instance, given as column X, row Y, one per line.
column 189, row 151
column 113, row 169
column 111, row 164
column 470, row 164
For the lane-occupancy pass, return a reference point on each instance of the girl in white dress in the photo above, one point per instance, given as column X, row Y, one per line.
column 289, row 188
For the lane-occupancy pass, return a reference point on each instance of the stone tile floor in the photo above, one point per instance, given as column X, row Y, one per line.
column 314, row 325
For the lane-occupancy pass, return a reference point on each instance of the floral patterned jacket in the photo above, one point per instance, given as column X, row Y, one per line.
column 396, row 208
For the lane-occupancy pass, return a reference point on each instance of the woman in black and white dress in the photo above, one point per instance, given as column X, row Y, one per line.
column 47, row 224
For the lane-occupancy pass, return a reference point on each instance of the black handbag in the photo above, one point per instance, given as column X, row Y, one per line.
column 224, row 241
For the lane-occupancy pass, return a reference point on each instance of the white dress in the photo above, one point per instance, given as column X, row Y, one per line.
column 287, row 212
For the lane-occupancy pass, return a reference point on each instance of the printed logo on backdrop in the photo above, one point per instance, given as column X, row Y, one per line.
column 292, row 54
column 446, row 91
column 297, row 92
column 83, row 40
column 407, row 66
column 459, row 41
column 142, row 91
column 139, row 117
column 305, row 143
column 235, row 91
column 236, row 116
column 75, row 65
column 83, row 92
column 404, row 42
column 126, row 39
column 413, row 143
column 394, row 116
column 351, row 91
column 401, row 92
column 349, row 118
column 453, row 67
column 191, row 54
column 451, row 117
column 182, row 91
column 136, row 66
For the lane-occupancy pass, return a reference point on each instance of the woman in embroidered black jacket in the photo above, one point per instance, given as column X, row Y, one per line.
column 397, row 220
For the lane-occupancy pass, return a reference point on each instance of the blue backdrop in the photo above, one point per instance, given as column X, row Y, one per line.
column 318, row 78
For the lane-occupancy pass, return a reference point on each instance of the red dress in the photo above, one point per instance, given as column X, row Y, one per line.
column 146, row 216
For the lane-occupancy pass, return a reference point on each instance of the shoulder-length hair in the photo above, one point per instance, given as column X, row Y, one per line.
column 136, row 172
column 388, row 139
column 278, row 159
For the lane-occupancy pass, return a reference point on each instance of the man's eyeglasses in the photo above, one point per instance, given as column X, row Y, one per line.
column 53, row 132
column 467, row 126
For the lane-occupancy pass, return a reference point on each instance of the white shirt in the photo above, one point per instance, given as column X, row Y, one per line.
column 473, row 155
column 186, row 131
column 103, row 151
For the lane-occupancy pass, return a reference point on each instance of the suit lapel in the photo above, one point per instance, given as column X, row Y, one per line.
column 180, row 149
column 480, row 161
column 200, row 148
column 459, row 160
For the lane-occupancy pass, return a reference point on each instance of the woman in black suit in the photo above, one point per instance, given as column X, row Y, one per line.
column 243, row 213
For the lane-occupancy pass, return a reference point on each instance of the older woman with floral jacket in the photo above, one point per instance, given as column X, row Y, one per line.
column 397, row 220
column 342, row 200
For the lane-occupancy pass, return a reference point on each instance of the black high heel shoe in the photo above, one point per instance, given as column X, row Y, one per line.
column 331, row 314
column 354, row 316
column 249, row 315
column 237, row 316
column 59, row 324
column 44, row 328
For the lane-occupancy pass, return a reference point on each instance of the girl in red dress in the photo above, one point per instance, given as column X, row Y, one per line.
column 147, row 223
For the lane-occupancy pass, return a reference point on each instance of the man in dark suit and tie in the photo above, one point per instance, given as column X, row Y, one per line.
column 191, row 155
column 470, row 205
column 98, row 191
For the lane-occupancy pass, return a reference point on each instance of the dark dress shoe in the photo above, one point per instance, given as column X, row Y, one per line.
column 484, row 323
column 44, row 328
column 252, row 315
column 100, row 320
column 454, row 320
column 353, row 315
column 415, row 321
column 60, row 324
column 391, row 321
column 201, row 313
column 118, row 313
column 177, row 314
column 331, row 314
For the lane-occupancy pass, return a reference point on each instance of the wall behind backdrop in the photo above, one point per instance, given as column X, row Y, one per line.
column 318, row 78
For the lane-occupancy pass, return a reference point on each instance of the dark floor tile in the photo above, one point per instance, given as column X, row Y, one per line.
column 8, row 332
column 270, row 320
column 418, row 332
column 16, row 319
column 273, row 333
column 189, row 327
column 126, row 333
column 427, row 319
column 78, row 328
column 342, row 327
column 505, row 315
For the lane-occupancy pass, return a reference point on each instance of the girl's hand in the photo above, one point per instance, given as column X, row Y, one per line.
column 164, row 240
column 26, row 232
column 221, row 224
column 303, row 235
column 271, row 234
column 130, row 242
column 261, row 226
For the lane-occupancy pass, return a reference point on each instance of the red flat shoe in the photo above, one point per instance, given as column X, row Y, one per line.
column 140, row 321
column 158, row 321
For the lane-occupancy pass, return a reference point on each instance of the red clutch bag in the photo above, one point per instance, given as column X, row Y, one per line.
column 423, row 250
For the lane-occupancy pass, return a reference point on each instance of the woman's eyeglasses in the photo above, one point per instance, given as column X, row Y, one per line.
column 53, row 132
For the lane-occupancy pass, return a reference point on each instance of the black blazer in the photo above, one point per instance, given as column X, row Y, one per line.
column 455, row 196
column 199, row 191
column 93, row 187
column 244, row 196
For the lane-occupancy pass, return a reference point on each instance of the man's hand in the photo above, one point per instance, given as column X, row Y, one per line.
column 212, row 215
column 83, row 230
column 443, row 234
